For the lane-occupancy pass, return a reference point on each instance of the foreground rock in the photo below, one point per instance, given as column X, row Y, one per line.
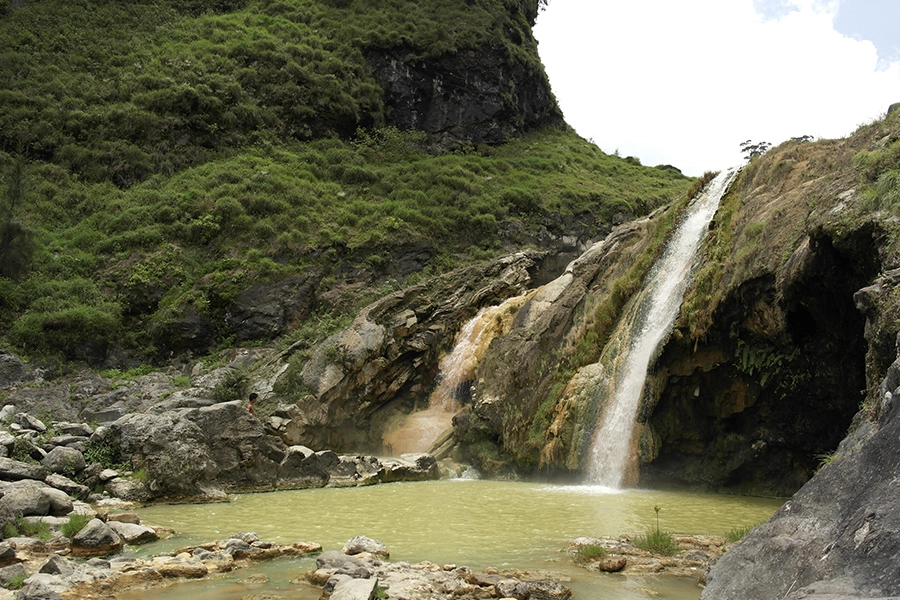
column 356, row 577
column 839, row 536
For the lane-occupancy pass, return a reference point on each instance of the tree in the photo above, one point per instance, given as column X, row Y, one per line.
column 751, row 149
column 16, row 239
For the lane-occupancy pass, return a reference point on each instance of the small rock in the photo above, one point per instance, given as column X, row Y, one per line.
column 26, row 421
column 133, row 534
column 361, row 543
column 613, row 564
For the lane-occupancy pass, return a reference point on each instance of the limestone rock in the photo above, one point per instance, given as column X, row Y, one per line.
column 842, row 525
column 26, row 421
column 57, row 565
column 26, row 500
column 96, row 539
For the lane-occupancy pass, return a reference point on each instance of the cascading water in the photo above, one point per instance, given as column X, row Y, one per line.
column 422, row 428
column 646, row 323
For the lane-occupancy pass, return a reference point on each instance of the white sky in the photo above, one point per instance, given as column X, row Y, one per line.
column 684, row 82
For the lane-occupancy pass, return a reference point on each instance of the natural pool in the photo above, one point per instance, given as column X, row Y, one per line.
column 464, row 522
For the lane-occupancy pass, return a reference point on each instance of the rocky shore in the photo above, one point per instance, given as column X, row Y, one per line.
column 359, row 571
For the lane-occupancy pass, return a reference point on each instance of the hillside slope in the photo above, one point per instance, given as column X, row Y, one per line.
column 182, row 176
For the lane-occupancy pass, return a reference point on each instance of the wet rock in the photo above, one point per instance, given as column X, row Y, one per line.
column 362, row 544
column 64, row 460
column 612, row 565
column 410, row 467
column 96, row 539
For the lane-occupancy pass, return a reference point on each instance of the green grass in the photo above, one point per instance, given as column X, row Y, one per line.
column 736, row 534
column 21, row 527
column 586, row 554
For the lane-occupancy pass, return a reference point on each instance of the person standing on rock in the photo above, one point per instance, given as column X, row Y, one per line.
column 250, row 405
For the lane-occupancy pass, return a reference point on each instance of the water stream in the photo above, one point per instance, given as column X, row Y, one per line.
column 422, row 428
column 464, row 522
column 646, row 323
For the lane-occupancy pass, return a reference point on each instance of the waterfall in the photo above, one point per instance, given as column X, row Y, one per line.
column 422, row 428
column 646, row 323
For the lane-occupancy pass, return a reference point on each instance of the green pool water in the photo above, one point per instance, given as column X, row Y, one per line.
column 463, row 522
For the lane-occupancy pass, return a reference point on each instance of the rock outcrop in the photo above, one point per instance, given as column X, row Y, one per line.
column 379, row 365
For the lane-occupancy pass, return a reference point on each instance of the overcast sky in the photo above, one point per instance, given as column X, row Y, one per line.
column 684, row 82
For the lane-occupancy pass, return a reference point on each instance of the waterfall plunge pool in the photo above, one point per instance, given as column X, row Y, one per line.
column 465, row 522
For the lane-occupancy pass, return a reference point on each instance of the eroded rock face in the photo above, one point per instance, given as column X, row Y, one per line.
column 388, row 350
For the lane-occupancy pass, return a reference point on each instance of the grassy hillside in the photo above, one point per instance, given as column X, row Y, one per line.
column 159, row 158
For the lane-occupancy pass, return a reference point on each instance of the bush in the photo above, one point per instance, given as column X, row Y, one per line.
column 234, row 386
column 657, row 542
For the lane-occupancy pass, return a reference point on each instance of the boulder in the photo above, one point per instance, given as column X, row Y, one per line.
column 410, row 467
column 333, row 560
column 74, row 429
column 356, row 470
column 64, row 460
column 73, row 489
column 96, row 539
column 12, row 470
column 10, row 573
column 35, row 590
column 360, row 544
column 130, row 490
column 301, row 467
column 26, row 500
column 7, row 554
column 841, row 526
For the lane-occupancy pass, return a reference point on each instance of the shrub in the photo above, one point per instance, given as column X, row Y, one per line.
column 657, row 542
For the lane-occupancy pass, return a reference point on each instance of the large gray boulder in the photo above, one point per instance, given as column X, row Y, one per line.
column 96, row 539
column 27, row 501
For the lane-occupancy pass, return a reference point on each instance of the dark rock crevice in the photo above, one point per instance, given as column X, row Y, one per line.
column 776, row 384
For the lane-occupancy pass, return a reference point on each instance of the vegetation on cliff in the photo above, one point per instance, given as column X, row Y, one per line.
column 161, row 158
